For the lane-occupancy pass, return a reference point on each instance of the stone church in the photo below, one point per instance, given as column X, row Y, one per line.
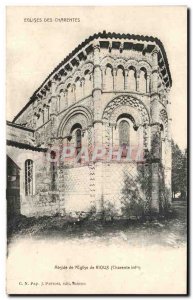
column 110, row 91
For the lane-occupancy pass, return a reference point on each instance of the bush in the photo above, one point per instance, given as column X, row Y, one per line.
column 109, row 211
column 136, row 195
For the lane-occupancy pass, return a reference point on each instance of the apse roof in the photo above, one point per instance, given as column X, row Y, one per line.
column 108, row 35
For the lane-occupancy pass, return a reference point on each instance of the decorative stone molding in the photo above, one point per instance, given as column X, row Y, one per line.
column 78, row 75
column 126, row 110
column 125, row 100
column 71, row 118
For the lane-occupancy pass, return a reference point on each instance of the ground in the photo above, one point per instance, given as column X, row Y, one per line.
column 169, row 231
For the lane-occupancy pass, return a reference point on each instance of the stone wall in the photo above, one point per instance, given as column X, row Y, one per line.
column 103, row 82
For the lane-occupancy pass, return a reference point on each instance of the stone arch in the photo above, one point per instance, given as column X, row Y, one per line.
column 68, row 81
column 120, row 77
column 125, row 116
column 63, row 84
column 108, row 77
column 132, row 78
column 119, row 62
column 49, row 95
column 110, row 66
column 126, row 110
column 131, row 63
column 86, row 66
column 78, row 114
column 145, row 65
column 77, row 74
column 39, row 107
column 108, row 60
column 88, row 83
column 126, row 101
column 78, row 89
column 143, row 80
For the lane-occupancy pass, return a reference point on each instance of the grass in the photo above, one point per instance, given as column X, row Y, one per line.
column 165, row 231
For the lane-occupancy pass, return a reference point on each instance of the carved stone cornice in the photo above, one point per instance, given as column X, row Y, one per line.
column 93, row 42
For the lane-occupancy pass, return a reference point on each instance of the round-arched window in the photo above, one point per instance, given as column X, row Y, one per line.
column 29, row 184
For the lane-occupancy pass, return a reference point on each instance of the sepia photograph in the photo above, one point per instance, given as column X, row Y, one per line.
column 96, row 150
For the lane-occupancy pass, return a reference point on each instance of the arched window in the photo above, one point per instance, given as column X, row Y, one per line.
column 132, row 79
column 76, row 132
column 88, row 84
column 124, row 133
column 124, row 136
column 143, row 80
column 78, row 89
column 109, row 78
column 29, row 184
column 70, row 91
column 78, row 140
column 120, row 78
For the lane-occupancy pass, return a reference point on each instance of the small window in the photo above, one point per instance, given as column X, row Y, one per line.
column 124, row 136
column 123, row 133
column 78, row 141
column 29, row 177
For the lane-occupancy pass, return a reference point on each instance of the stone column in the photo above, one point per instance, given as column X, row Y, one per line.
column 114, row 79
column 53, row 115
column 168, row 165
column 54, row 105
column 61, row 179
column 82, row 87
column 53, row 87
column 154, row 76
column 126, row 86
column 97, row 91
column 48, row 108
column 99, row 188
column 103, row 79
column 155, row 153
column 168, row 109
column 73, row 93
column 155, row 136
column 137, row 80
column 35, row 119
column 148, row 83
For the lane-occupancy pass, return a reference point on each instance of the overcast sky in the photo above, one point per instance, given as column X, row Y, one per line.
column 35, row 49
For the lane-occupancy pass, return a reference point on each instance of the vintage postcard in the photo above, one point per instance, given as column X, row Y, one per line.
column 96, row 150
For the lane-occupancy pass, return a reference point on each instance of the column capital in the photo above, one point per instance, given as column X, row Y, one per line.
column 126, row 72
column 138, row 73
column 114, row 71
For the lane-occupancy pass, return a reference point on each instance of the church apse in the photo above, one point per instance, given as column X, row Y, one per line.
column 98, row 123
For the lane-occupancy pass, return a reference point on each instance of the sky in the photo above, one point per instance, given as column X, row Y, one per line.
column 34, row 49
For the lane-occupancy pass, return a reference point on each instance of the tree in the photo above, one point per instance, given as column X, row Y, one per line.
column 179, row 171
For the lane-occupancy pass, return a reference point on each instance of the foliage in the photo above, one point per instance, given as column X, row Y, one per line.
column 136, row 194
column 109, row 211
column 179, row 170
